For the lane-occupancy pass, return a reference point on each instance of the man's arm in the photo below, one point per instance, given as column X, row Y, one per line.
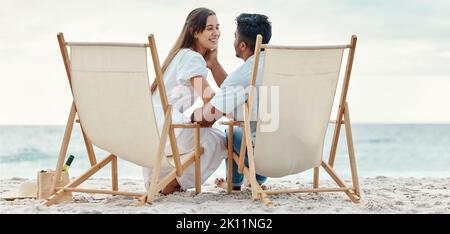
column 217, row 70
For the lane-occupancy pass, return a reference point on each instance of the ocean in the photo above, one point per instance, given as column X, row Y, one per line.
column 394, row 150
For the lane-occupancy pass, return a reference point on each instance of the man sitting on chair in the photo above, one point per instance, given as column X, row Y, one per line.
column 234, row 88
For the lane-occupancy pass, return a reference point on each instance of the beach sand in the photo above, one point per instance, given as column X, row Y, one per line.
column 379, row 195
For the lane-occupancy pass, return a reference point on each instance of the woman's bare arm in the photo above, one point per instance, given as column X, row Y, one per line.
column 202, row 88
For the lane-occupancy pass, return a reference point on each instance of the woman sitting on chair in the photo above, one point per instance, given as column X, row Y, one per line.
column 184, row 74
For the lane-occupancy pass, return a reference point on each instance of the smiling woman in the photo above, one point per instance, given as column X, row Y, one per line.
column 200, row 33
column 184, row 76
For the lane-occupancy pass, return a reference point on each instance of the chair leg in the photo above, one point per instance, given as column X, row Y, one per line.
column 242, row 153
column 114, row 174
column 251, row 160
column 89, row 148
column 316, row 178
column 351, row 151
column 141, row 201
column 198, row 178
column 151, row 193
column 153, row 189
column 230, row 159
column 64, row 146
column 260, row 194
column 340, row 182
column 335, row 141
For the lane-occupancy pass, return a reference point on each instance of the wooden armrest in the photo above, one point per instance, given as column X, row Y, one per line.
column 189, row 125
column 334, row 121
column 233, row 123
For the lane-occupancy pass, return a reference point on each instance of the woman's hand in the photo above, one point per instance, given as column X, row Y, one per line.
column 211, row 58
column 213, row 64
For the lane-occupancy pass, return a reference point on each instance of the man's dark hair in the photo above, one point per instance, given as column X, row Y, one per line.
column 250, row 25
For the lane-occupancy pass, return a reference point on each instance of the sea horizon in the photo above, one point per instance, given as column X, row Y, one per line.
column 393, row 150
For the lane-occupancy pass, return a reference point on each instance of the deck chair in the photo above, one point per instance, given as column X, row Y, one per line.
column 113, row 102
column 307, row 78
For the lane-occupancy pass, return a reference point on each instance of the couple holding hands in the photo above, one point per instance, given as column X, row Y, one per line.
column 184, row 73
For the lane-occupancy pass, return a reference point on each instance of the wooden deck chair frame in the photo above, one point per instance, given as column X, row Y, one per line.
column 343, row 117
column 167, row 132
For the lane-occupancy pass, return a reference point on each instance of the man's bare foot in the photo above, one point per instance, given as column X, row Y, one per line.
column 248, row 184
column 221, row 183
column 172, row 187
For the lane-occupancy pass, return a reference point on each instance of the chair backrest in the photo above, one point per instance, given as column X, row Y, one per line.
column 111, row 91
column 307, row 78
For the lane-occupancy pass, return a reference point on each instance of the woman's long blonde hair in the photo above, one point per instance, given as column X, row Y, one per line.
column 195, row 22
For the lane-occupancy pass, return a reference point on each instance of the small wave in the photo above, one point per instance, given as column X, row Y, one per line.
column 381, row 140
column 25, row 154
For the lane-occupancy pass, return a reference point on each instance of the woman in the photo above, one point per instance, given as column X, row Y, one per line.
column 184, row 77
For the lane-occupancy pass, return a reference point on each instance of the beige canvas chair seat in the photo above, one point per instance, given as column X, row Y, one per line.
column 112, row 98
column 307, row 78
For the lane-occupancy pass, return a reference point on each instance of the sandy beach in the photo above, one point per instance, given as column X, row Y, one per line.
column 379, row 195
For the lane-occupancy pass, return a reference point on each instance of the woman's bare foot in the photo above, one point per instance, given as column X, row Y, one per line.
column 172, row 187
column 221, row 183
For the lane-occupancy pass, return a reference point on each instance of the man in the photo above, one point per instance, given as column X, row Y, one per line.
column 234, row 88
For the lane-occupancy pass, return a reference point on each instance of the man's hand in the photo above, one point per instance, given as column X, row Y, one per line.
column 206, row 116
column 197, row 113
column 197, row 116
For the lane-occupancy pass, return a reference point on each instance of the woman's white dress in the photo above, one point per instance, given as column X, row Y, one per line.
column 180, row 94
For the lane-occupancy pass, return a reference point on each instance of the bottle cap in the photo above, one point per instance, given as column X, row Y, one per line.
column 69, row 160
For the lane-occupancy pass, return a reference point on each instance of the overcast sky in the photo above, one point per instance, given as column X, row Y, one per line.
column 401, row 70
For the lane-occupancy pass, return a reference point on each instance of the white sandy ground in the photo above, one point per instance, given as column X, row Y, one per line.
column 379, row 195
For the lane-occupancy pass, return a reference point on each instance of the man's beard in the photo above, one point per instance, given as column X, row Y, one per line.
column 237, row 54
